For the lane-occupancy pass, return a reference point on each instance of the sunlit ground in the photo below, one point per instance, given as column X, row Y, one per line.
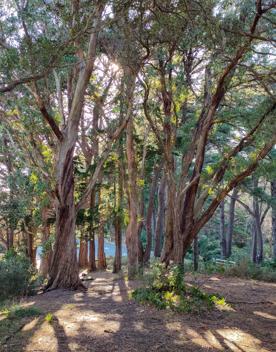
column 103, row 319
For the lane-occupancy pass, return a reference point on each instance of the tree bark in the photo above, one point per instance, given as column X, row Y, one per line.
column 146, row 256
column 273, row 217
column 195, row 253
column 159, row 230
column 83, row 253
column 231, row 221
column 46, row 257
column 258, row 235
column 222, row 231
column 64, row 271
column 117, row 264
column 101, row 253
column 92, row 255
column 31, row 249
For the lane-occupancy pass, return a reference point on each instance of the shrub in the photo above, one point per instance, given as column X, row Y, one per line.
column 246, row 269
column 166, row 289
column 17, row 312
column 17, row 276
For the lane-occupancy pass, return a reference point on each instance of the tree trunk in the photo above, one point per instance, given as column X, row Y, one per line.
column 92, row 255
column 31, row 249
column 10, row 237
column 222, row 231
column 195, row 253
column 132, row 231
column 101, row 254
column 168, row 244
column 146, row 256
column 159, row 230
column 47, row 254
column 83, row 253
column 117, row 265
column 257, row 224
column 273, row 217
column 64, row 270
column 230, row 230
column 254, row 243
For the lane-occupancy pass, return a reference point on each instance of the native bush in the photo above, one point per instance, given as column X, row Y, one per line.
column 165, row 288
column 17, row 276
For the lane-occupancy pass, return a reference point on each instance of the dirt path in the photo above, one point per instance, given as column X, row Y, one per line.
column 103, row 319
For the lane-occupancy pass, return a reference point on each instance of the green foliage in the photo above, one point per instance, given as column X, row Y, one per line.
column 17, row 276
column 18, row 312
column 166, row 289
column 243, row 268
column 246, row 269
column 49, row 318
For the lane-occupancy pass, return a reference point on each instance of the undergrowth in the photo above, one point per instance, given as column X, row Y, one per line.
column 243, row 268
column 166, row 289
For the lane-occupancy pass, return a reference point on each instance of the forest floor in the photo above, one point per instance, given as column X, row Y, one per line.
column 104, row 319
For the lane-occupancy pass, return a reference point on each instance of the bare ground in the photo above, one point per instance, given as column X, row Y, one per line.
column 104, row 319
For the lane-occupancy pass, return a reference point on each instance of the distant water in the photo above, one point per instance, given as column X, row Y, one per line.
column 109, row 249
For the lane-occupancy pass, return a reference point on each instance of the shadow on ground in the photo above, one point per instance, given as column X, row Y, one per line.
column 103, row 319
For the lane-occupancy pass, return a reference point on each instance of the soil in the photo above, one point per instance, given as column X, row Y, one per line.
column 104, row 319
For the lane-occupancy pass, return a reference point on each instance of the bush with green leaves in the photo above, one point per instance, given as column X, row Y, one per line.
column 166, row 289
column 265, row 271
column 17, row 276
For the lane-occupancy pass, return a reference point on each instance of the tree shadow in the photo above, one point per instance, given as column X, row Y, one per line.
column 104, row 319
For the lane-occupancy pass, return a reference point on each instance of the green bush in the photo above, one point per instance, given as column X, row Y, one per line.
column 243, row 268
column 246, row 269
column 17, row 312
column 17, row 276
column 166, row 289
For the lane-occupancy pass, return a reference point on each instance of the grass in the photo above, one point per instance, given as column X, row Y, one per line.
column 18, row 312
column 12, row 317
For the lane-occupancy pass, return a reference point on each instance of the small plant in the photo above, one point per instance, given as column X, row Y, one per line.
column 49, row 318
column 166, row 290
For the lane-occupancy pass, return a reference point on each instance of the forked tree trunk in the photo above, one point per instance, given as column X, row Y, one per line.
column 231, row 222
column 64, row 269
column 159, row 229
column 273, row 218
